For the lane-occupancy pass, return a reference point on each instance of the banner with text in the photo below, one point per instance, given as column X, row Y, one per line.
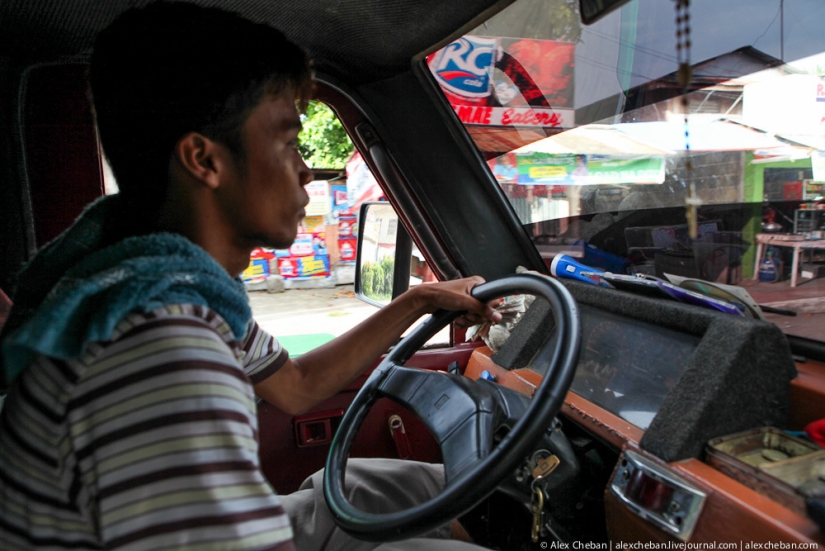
column 552, row 169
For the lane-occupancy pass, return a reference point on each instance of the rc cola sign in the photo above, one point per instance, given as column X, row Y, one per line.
column 505, row 81
column 463, row 67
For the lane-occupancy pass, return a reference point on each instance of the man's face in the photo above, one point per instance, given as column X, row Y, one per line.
column 264, row 199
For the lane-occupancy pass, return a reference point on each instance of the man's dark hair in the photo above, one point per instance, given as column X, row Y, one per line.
column 170, row 68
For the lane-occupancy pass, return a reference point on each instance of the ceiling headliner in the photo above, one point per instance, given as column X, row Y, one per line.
column 356, row 41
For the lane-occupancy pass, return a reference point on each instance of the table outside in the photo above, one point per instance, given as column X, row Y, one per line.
column 785, row 240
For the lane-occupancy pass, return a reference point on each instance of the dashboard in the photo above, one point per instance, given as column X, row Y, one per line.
column 656, row 381
column 628, row 366
column 681, row 374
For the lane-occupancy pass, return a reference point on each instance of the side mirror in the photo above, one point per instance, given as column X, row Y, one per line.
column 382, row 266
column 593, row 10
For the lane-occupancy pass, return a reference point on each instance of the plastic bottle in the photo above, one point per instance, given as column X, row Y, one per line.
column 769, row 271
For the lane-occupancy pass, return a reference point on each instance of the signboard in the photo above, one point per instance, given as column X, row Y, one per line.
column 258, row 269
column 792, row 104
column 319, row 201
column 308, row 256
column 818, row 165
column 463, row 68
column 515, row 116
column 304, row 266
column 339, row 197
column 347, row 247
column 537, row 168
column 507, row 81
column 361, row 184
column 347, row 238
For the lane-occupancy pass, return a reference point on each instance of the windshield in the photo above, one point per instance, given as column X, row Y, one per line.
column 608, row 156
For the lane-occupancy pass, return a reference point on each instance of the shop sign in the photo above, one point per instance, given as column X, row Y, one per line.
column 463, row 67
column 308, row 255
column 258, row 269
column 256, row 272
column 305, row 266
column 818, row 165
column 512, row 116
column 339, row 197
column 319, row 201
column 537, row 168
column 508, row 81
column 302, row 246
column 361, row 185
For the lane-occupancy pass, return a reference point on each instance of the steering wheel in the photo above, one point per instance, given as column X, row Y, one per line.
column 468, row 418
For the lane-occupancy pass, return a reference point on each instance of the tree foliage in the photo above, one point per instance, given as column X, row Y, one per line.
column 323, row 142
column 377, row 277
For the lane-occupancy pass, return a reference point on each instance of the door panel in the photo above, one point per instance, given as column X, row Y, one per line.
column 286, row 464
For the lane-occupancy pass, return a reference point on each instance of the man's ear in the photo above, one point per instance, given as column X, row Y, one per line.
column 202, row 158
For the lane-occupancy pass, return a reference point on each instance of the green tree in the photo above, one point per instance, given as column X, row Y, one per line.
column 323, row 142
column 378, row 281
column 367, row 278
column 388, row 264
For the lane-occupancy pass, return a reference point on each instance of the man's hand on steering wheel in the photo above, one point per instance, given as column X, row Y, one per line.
column 455, row 295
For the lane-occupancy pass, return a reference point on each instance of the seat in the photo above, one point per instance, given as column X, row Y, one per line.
column 5, row 308
column 63, row 160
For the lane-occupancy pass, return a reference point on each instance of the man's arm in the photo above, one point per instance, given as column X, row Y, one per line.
column 321, row 373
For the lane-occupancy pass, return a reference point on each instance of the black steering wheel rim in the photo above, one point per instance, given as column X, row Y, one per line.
column 461, row 494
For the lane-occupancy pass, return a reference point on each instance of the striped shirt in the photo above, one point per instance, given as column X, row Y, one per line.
column 147, row 441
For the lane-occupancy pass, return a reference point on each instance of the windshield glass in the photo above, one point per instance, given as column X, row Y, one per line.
column 608, row 156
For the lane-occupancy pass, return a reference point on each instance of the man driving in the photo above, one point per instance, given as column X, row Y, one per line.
column 131, row 355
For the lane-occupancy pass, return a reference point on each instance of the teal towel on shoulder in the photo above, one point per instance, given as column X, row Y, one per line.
column 77, row 289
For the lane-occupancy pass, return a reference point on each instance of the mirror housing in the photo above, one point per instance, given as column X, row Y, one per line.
column 382, row 265
column 593, row 10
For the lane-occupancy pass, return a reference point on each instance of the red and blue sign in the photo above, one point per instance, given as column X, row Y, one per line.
column 463, row 67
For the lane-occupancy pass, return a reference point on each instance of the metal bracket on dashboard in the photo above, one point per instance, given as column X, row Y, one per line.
column 658, row 495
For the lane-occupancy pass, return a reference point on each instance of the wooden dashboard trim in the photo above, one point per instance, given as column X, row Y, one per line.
column 733, row 512
column 807, row 394
column 607, row 426
column 807, row 398
column 733, row 508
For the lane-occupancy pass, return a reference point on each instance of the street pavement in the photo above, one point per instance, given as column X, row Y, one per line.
column 304, row 318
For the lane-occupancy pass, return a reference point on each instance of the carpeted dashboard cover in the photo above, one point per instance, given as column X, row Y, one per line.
column 737, row 379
